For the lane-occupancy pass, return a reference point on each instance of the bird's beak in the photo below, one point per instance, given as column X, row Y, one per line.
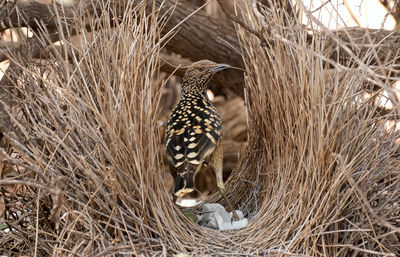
column 221, row 67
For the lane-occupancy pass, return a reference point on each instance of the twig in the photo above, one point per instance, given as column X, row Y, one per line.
column 241, row 23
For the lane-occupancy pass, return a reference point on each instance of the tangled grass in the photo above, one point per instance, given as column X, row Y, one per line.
column 319, row 175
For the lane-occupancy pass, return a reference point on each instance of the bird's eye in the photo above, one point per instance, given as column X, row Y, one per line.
column 201, row 69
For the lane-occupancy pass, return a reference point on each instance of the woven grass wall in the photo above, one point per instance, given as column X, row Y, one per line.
column 318, row 176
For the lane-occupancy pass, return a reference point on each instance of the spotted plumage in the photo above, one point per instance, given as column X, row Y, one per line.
column 194, row 128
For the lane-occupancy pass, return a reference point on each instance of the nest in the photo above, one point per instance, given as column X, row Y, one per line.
column 317, row 176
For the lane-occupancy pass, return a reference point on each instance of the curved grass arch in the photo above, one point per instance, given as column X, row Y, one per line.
column 318, row 176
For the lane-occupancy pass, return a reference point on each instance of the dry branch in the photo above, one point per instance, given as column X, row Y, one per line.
column 198, row 37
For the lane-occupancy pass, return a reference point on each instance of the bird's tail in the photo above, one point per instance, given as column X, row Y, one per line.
column 184, row 183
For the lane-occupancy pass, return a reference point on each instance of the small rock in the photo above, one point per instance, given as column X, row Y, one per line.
column 215, row 216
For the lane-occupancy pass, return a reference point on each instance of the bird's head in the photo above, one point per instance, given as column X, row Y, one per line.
column 200, row 74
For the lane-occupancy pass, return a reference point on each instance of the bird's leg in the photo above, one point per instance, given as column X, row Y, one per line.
column 221, row 187
column 216, row 163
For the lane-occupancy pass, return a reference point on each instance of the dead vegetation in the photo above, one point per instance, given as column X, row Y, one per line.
column 318, row 175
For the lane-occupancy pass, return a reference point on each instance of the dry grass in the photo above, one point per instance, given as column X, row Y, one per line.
column 318, row 177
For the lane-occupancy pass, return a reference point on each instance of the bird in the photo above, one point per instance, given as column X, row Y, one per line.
column 194, row 131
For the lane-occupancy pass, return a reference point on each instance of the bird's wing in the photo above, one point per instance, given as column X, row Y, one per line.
column 202, row 137
column 175, row 149
column 196, row 141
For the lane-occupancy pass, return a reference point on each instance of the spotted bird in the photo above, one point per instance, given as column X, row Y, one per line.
column 193, row 133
